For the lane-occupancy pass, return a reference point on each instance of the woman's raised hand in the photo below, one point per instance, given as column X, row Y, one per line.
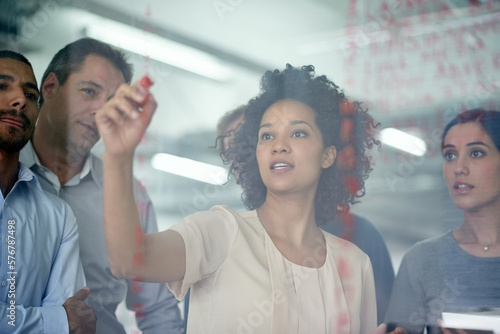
column 123, row 120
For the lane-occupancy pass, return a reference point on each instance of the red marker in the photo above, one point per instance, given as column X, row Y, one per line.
column 146, row 82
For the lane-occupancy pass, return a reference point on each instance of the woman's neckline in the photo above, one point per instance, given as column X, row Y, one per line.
column 286, row 258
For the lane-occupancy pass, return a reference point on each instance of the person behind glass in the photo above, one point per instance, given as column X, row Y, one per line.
column 457, row 271
column 228, row 125
column 271, row 269
column 359, row 230
column 39, row 265
column 80, row 78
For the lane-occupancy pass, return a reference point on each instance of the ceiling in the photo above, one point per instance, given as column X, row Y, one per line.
column 413, row 63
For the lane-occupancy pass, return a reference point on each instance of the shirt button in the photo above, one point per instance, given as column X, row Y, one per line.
column 4, row 283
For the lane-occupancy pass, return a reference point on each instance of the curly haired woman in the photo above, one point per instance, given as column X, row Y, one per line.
column 300, row 158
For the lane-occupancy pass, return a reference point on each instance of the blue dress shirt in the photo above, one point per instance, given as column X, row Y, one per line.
column 40, row 266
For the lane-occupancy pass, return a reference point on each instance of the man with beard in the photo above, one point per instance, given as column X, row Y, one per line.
column 39, row 256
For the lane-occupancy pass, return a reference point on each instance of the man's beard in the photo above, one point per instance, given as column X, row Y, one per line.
column 9, row 142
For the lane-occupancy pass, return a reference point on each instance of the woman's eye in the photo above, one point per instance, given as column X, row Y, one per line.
column 449, row 156
column 299, row 134
column 476, row 154
column 265, row 136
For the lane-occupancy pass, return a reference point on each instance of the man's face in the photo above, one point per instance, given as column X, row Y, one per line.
column 18, row 104
column 69, row 109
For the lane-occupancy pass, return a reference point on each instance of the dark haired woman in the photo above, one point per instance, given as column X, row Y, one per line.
column 271, row 269
column 460, row 270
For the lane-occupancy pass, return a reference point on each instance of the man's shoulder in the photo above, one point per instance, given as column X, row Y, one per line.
column 53, row 215
column 363, row 225
column 46, row 202
column 354, row 228
column 55, row 201
column 54, row 204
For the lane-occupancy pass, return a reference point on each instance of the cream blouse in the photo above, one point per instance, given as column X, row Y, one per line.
column 241, row 283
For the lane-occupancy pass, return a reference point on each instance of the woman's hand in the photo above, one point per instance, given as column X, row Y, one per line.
column 383, row 328
column 123, row 120
column 447, row 331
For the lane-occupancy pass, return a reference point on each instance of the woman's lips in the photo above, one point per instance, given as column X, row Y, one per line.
column 462, row 187
column 281, row 166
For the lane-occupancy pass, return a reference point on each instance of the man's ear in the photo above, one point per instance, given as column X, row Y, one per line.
column 49, row 86
column 329, row 156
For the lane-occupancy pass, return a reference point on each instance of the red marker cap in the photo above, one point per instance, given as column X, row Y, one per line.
column 146, row 82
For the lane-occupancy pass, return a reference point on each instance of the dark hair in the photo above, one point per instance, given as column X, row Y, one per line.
column 70, row 59
column 15, row 56
column 229, row 118
column 488, row 120
column 224, row 122
column 343, row 124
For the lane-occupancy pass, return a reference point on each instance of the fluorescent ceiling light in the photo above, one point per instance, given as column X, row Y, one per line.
column 158, row 48
column 403, row 141
column 192, row 169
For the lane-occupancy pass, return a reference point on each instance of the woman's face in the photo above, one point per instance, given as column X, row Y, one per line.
column 471, row 167
column 290, row 150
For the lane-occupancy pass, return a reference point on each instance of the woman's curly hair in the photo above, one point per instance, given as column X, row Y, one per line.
column 343, row 124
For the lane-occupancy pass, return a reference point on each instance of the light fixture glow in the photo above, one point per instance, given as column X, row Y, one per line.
column 403, row 141
column 158, row 48
column 192, row 169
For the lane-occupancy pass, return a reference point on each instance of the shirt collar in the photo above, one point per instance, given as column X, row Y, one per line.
column 24, row 174
column 30, row 159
